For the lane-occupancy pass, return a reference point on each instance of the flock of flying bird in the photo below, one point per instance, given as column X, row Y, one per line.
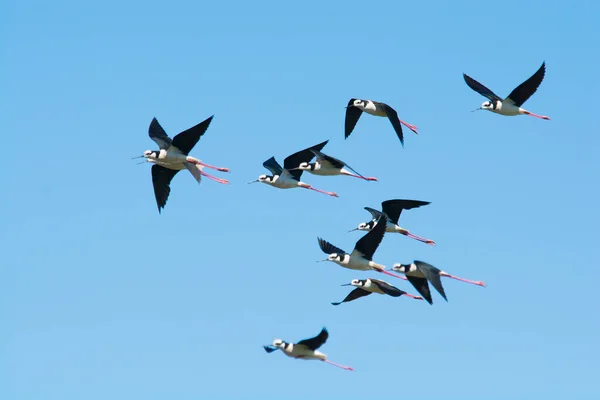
column 173, row 156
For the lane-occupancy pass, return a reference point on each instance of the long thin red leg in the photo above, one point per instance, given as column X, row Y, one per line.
column 223, row 181
column 339, row 366
column 391, row 274
column 334, row 194
column 213, row 167
column 537, row 116
column 413, row 296
column 478, row 283
column 409, row 126
column 420, row 239
column 367, row 178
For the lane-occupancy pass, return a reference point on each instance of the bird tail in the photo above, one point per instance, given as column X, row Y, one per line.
column 194, row 170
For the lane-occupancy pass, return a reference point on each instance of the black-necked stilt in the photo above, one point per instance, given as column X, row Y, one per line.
column 288, row 177
column 392, row 209
column 512, row 104
column 305, row 349
column 419, row 273
column 173, row 157
column 356, row 107
column 365, row 287
column 362, row 256
column 326, row 165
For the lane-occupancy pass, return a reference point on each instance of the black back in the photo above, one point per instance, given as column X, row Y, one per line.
column 299, row 157
column 432, row 274
column 158, row 134
column 479, row 88
column 369, row 243
column 393, row 208
column 353, row 295
column 526, row 89
column 328, row 248
column 352, row 116
column 161, row 180
column 186, row 140
column 316, row 342
column 272, row 165
column 393, row 117
column 387, row 288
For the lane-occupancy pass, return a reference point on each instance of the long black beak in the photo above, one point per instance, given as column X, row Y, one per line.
column 477, row 109
column 253, row 182
column 346, row 284
column 133, row 158
column 352, row 230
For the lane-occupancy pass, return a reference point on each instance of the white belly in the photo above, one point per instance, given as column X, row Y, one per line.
column 170, row 164
column 374, row 109
column 303, row 353
column 325, row 171
column 507, row 109
column 284, row 183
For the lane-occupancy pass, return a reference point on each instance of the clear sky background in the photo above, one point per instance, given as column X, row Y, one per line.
column 103, row 298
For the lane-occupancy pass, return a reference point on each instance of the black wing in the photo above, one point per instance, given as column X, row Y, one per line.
column 331, row 160
column 393, row 117
column 161, row 179
column 374, row 213
column 353, row 295
column 393, row 208
column 328, row 248
column 269, row 349
column 432, row 274
column 352, row 116
column 367, row 244
column 336, row 163
column 422, row 287
column 158, row 134
column 316, row 342
column 526, row 89
column 299, row 157
column 186, row 140
column 479, row 88
column 273, row 166
column 387, row 288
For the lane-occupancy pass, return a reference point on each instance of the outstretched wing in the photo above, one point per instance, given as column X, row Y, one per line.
column 367, row 244
column 387, row 288
column 316, row 342
column 393, row 208
column 526, row 89
column 479, row 88
column 335, row 163
column 186, row 140
column 273, row 166
column 432, row 274
column 422, row 287
column 393, row 117
column 158, row 134
column 161, row 180
column 353, row 295
column 299, row 157
column 352, row 116
column 328, row 248
column 374, row 213
column 331, row 160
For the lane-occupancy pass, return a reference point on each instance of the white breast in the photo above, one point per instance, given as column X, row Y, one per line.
column 374, row 109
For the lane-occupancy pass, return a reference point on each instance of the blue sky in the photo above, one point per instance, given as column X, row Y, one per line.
column 102, row 297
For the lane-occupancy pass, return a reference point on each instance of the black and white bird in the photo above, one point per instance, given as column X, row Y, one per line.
column 288, row 177
column 173, row 157
column 510, row 106
column 365, row 287
column 305, row 349
column 419, row 273
column 355, row 108
column 326, row 165
column 362, row 256
column 392, row 209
